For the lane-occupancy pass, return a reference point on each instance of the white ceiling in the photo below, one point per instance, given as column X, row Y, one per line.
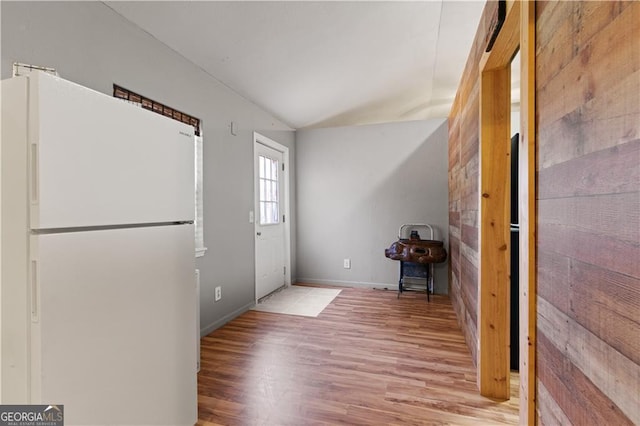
column 323, row 63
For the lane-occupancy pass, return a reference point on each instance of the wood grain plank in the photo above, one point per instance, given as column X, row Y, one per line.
column 527, row 215
column 469, row 197
column 471, row 256
column 555, row 48
column 607, row 370
column 581, row 401
column 469, row 235
column 619, row 256
column 454, row 219
column 470, row 218
column 548, row 17
column 469, row 283
column 456, row 301
column 608, row 305
column 470, row 202
column 369, row 358
column 549, row 411
column 553, row 279
column 573, row 24
column 455, row 231
column 600, row 64
column 470, row 175
column 592, row 17
column 611, row 215
column 469, row 133
column 493, row 270
column 604, row 302
column 455, row 188
column 454, row 139
column 470, row 332
column 609, row 171
column 454, row 253
column 610, row 119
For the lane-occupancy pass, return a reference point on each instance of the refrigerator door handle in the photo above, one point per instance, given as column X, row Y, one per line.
column 34, row 172
column 34, row 291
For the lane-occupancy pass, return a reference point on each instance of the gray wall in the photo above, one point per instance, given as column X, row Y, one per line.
column 91, row 45
column 356, row 186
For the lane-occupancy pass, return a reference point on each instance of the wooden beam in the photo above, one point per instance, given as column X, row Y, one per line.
column 494, row 282
column 506, row 43
column 527, row 214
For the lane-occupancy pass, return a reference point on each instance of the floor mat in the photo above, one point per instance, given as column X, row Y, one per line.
column 298, row 300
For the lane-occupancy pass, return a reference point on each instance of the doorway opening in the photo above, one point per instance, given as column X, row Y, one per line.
column 270, row 216
column 494, row 286
column 514, row 228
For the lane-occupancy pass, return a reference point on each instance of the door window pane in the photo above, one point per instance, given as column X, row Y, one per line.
column 269, row 196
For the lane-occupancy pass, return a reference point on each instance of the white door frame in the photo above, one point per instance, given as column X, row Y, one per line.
column 286, row 210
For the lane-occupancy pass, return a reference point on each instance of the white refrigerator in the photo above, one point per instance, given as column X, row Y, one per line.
column 98, row 291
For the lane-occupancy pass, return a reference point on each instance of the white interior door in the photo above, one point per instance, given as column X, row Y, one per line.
column 269, row 220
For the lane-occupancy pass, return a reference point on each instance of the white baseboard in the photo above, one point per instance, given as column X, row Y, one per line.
column 222, row 321
column 358, row 284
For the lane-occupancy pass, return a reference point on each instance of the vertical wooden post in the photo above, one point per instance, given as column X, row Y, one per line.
column 494, row 285
column 527, row 214
column 494, row 237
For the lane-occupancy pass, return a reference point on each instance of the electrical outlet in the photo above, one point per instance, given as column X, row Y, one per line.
column 347, row 264
column 218, row 294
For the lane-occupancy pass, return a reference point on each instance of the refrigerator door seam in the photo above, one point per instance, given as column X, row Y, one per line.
column 45, row 231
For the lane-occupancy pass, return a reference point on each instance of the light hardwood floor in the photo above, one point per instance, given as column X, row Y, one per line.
column 367, row 359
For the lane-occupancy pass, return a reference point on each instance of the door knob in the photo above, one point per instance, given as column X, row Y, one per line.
column 259, row 233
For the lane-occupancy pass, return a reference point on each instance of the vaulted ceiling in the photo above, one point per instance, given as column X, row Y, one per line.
column 323, row 63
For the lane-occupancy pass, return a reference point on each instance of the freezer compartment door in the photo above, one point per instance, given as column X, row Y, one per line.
column 113, row 330
column 96, row 160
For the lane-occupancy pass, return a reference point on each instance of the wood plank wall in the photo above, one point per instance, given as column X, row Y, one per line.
column 588, row 111
column 588, row 185
column 464, row 202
